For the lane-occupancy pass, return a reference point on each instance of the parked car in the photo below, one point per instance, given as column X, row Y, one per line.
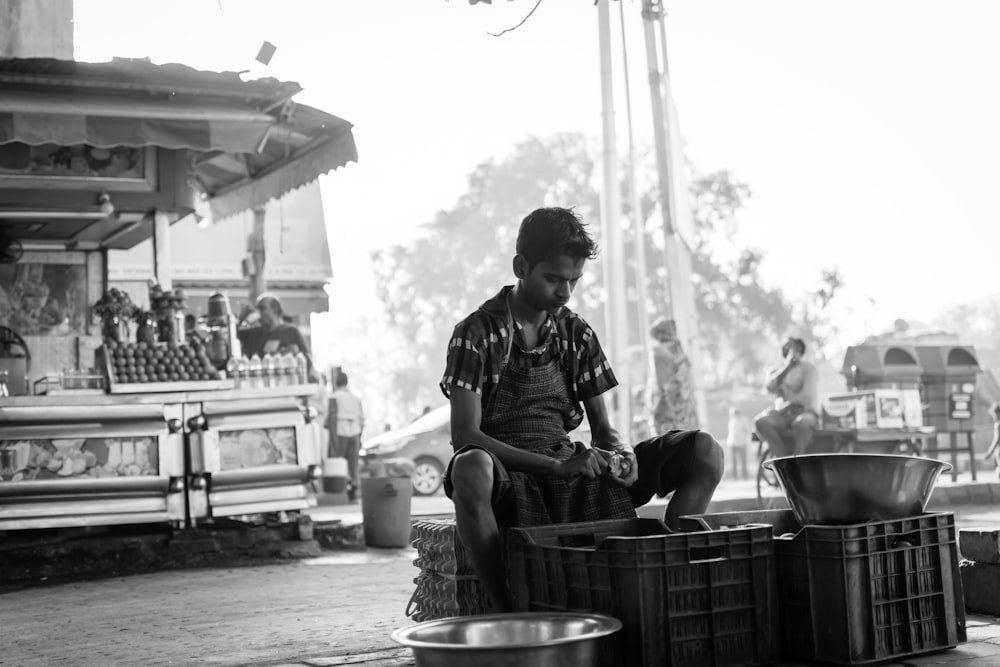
column 427, row 442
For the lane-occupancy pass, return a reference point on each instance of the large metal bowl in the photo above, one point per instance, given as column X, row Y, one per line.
column 529, row 639
column 856, row 488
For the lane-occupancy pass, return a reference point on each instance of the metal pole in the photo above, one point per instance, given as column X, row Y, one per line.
column 162, row 261
column 677, row 254
column 638, row 223
column 660, row 139
column 257, row 248
column 614, row 265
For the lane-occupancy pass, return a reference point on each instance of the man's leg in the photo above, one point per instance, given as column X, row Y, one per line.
column 692, row 496
column 803, row 428
column 739, row 454
column 770, row 427
column 352, row 445
column 472, row 493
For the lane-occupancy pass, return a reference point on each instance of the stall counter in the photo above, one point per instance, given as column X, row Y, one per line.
column 181, row 457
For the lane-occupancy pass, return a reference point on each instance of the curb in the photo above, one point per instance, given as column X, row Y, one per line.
column 60, row 556
column 971, row 493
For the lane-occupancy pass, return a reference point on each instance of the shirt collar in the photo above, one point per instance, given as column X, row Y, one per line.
column 496, row 305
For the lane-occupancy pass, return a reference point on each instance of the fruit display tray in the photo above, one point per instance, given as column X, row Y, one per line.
column 114, row 386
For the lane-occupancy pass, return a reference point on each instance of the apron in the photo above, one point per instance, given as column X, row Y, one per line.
column 530, row 409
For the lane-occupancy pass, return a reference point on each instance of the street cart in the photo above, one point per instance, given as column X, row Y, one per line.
column 112, row 415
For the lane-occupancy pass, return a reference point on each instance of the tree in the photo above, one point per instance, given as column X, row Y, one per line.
column 977, row 322
column 739, row 317
column 463, row 255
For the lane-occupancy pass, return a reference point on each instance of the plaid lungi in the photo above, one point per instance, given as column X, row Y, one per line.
column 529, row 409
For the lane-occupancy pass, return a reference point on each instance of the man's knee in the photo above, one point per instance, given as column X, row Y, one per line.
column 709, row 462
column 764, row 422
column 472, row 476
column 805, row 424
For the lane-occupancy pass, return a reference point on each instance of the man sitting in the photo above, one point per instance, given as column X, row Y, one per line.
column 788, row 427
column 517, row 372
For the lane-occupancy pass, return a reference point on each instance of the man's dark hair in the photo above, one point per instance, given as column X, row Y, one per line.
column 548, row 232
column 797, row 342
column 268, row 297
column 341, row 380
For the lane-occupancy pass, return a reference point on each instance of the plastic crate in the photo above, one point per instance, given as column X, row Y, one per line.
column 442, row 596
column 684, row 599
column 446, row 585
column 871, row 592
column 863, row 593
column 438, row 547
column 781, row 521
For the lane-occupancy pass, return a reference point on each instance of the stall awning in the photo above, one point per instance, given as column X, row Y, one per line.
column 68, row 119
column 303, row 146
column 249, row 141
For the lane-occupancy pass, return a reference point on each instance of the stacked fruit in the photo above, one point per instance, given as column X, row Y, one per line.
column 115, row 303
column 141, row 362
column 160, row 300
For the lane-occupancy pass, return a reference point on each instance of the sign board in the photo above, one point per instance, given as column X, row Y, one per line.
column 960, row 406
column 222, row 272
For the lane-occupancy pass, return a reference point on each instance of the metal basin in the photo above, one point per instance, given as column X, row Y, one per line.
column 530, row 639
column 856, row 488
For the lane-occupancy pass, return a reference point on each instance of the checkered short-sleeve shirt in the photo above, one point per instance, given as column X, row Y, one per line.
column 478, row 343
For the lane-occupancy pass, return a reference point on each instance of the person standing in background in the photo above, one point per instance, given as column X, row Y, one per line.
column 320, row 401
column 346, row 422
column 670, row 389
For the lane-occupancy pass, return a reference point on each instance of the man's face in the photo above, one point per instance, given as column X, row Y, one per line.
column 549, row 284
column 269, row 316
column 792, row 351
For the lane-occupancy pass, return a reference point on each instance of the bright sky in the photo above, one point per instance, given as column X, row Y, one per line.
column 867, row 130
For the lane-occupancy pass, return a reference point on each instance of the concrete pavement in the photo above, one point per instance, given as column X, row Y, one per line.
column 334, row 610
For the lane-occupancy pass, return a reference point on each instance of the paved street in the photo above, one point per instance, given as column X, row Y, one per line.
column 335, row 610
column 349, row 601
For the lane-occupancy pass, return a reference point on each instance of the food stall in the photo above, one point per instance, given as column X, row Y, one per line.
column 110, row 413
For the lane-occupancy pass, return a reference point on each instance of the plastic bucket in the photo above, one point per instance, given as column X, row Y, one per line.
column 385, row 510
column 334, row 475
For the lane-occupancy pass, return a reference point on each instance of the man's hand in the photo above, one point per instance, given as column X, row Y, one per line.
column 623, row 469
column 585, row 463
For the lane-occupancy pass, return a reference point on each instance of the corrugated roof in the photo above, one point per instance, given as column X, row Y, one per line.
column 252, row 142
column 141, row 75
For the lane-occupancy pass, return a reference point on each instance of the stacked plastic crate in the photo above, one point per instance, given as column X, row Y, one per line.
column 692, row 599
column 862, row 593
column 980, row 568
column 446, row 585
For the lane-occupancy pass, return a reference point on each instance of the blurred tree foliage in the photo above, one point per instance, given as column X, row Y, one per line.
column 464, row 254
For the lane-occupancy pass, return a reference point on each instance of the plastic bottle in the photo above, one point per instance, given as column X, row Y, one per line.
column 233, row 371
column 255, row 372
column 243, row 372
column 301, row 368
column 288, row 369
column 268, row 367
column 280, row 370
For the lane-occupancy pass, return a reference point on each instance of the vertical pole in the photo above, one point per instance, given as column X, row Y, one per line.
column 660, row 140
column 683, row 297
column 613, row 259
column 258, row 252
column 681, row 306
column 162, row 264
column 638, row 223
